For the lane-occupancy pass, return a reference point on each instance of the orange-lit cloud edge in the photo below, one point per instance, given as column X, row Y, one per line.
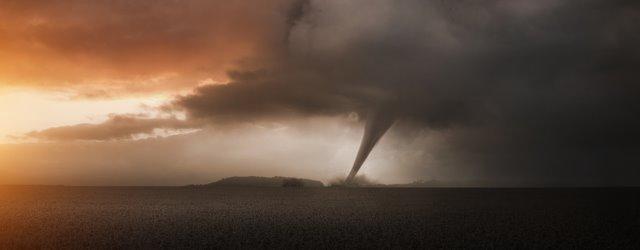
column 58, row 62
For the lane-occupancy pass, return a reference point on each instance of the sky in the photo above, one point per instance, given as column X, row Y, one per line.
column 497, row 92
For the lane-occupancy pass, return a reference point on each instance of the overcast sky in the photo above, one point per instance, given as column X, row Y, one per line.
column 509, row 92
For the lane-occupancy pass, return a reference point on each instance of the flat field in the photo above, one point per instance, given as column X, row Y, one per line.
column 170, row 217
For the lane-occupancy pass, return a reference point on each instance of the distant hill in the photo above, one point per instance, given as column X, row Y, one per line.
column 258, row 181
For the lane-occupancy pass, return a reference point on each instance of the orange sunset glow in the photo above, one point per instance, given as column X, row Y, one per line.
column 75, row 62
column 82, row 82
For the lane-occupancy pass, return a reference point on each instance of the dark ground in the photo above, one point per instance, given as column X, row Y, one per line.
column 83, row 217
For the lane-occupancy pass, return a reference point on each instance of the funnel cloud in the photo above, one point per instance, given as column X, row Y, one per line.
column 377, row 124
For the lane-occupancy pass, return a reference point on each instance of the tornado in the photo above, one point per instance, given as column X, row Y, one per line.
column 377, row 124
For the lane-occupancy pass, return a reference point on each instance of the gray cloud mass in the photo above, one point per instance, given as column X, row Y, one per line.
column 536, row 91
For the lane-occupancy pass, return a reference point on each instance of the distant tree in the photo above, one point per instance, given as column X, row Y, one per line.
column 292, row 182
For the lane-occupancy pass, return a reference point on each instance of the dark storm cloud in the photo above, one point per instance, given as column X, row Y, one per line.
column 445, row 65
column 116, row 127
column 262, row 94
column 543, row 91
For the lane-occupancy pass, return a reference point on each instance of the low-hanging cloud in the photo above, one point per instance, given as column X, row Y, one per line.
column 116, row 127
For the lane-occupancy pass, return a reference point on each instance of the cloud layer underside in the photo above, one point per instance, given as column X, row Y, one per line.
column 543, row 88
column 445, row 63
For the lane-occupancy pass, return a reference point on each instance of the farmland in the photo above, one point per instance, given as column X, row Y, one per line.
column 170, row 217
